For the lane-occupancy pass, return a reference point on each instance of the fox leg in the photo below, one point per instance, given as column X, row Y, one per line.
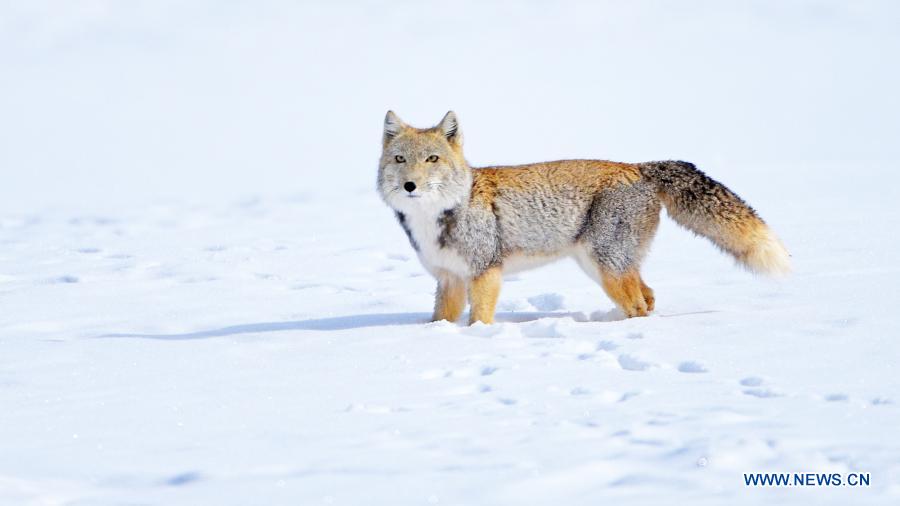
column 648, row 230
column 626, row 290
column 483, row 293
column 450, row 299
column 649, row 298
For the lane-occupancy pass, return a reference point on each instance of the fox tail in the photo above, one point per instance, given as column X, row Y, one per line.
column 706, row 207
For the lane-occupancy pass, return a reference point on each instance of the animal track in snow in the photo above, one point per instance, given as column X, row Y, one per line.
column 512, row 305
column 632, row 363
column 628, row 395
column 691, row 367
column 752, row 381
column 66, row 279
column 547, row 302
column 488, row 370
column 836, row 397
column 762, row 393
column 183, row 479
column 606, row 345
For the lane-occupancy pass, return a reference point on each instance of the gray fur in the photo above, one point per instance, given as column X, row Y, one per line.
column 622, row 223
column 616, row 225
column 699, row 203
column 473, row 234
column 539, row 222
column 463, row 225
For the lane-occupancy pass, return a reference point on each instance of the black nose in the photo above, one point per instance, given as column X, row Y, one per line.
column 409, row 186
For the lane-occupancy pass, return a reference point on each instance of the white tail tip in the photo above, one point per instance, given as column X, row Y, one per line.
column 768, row 256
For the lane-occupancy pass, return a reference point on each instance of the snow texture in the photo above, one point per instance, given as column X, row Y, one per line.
column 204, row 301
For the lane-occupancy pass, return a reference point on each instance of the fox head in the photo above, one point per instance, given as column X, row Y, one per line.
column 423, row 169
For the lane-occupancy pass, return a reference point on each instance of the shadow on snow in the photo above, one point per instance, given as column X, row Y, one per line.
column 349, row 322
column 363, row 321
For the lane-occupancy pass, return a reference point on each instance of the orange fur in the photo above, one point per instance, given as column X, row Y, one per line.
column 590, row 175
column 627, row 291
column 483, row 293
column 647, row 292
column 451, row 298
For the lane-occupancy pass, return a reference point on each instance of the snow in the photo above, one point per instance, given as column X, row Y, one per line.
column 204, row 301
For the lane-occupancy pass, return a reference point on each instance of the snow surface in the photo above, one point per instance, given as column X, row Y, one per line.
column 204, row 301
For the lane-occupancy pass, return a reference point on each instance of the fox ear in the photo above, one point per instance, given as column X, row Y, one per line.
column 393, row 125
column 450, row 128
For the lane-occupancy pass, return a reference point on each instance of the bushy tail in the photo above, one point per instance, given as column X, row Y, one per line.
column 706, row 207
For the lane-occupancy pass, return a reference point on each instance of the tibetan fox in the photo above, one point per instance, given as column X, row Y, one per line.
column 470, row 225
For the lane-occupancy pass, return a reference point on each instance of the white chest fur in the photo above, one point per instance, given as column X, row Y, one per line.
column 426, row 230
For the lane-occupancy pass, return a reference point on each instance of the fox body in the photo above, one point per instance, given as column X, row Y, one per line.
column 471, row 225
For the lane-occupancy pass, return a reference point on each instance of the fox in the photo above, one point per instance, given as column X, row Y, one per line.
column 470, row 226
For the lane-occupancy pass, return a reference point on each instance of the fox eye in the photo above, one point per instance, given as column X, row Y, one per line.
column 432, row 158
column 399, row 158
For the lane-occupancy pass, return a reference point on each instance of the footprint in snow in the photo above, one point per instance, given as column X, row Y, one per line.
column 752, row 381
column 691, row 367
column 606, row 345
column 513, row 305
column 836, row 397
column 632, row 363
column 762, row 393
column 547, row 302
column 66, row 279
column 628, row 395
column 182, row 479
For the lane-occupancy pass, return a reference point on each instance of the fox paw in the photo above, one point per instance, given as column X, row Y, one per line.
column 639, row 307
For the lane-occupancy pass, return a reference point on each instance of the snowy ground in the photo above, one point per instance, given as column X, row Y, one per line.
column 276, row 349
column 202, row 300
